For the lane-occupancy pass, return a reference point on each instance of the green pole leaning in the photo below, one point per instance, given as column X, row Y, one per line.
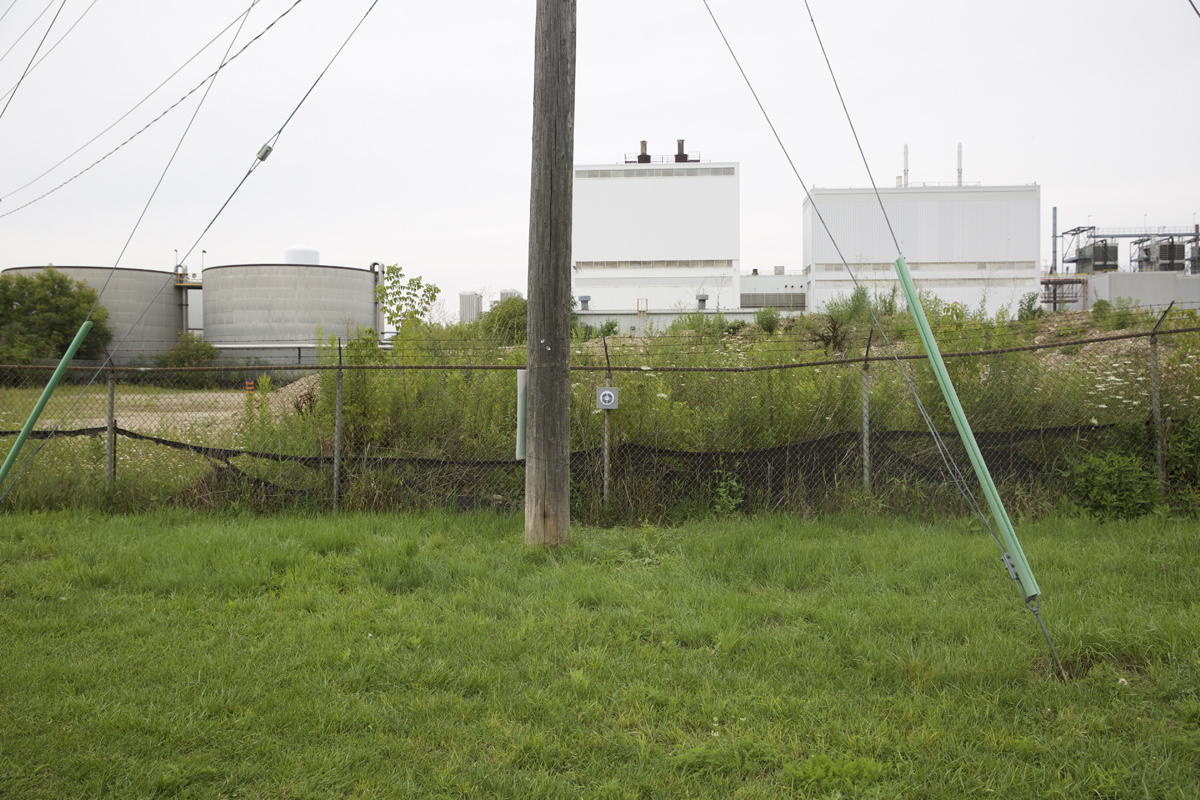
column 1018, row 563
column 41, row 403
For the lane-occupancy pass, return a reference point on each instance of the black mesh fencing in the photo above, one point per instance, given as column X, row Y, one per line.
column 707, row 422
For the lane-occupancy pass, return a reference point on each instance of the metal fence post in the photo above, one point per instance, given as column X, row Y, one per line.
column 110, row 444
column 866, row 414
column 1155, row 407
column 607, row 426
column 337, row 431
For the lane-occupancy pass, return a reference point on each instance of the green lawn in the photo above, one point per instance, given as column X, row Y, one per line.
column 185, row 655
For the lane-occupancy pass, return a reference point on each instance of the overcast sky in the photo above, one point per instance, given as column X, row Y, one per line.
column 415, row 147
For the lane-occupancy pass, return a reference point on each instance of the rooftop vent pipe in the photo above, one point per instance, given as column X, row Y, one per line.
column 906, row 165
column 960, row 163
column 680, row 155
column 643, row 157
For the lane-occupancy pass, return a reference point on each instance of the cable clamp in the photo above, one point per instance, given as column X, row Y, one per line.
column 1010, row 566
column 264, row 152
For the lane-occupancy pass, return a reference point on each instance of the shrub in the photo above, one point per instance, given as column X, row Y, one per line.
column 1114, row 486
column 507, row 321
column 41, row 313
column 767, row 319
column 1030, row 307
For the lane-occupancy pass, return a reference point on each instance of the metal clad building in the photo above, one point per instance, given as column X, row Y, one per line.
column 283, row 304
column 656, row 236
column 149, row 294
column 968, row 244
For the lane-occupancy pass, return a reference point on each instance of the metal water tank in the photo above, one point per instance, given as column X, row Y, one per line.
column 282, row 305
column 130, row 294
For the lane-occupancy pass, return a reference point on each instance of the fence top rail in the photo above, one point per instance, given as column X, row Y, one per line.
column 855, row 361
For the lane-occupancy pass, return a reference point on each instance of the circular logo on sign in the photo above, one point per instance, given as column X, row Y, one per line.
column 607, row 398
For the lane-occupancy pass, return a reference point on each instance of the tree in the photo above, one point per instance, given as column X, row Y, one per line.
column 404, row 302
column 507, row 321
column 190, row 351
column 41, row 313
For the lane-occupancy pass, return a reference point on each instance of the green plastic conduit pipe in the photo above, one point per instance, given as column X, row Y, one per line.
column 1017, row 560
column 41, row 403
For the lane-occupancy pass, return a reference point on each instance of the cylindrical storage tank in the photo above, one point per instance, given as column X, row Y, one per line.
column 130, row 294
column 302, row 254
column 281, row 305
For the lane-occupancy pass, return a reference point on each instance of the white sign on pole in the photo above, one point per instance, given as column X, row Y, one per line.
column 606, row 398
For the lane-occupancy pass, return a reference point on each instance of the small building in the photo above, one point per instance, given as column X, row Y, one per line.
column 975, row 245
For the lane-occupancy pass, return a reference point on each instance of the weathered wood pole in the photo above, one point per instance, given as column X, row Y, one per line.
column 548, row 409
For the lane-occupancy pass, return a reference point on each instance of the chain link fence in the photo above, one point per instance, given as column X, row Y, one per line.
column 710, row 420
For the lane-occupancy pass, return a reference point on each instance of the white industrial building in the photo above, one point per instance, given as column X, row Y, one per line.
column 656, row 237
column 974, row 245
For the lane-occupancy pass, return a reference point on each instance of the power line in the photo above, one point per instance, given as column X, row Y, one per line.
column 169, row 109
column 27, row 30
column 136, row 225
column 274, row 139
column 35, row 52
column 10, row 8
column 1193, row 5
column 258, row 159
column 948, row 461
column 54, row 46
column 138, row 104
column 952, row 467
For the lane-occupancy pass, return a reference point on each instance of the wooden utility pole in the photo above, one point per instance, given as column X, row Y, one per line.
column 548, row 407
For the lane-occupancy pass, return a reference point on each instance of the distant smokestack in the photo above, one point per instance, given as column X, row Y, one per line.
column 906, row 165
column 1054, row 240
column 960, row 163
column 680, row 155
column 643, row 158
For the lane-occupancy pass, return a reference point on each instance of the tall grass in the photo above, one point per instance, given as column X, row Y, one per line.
column 465, row 416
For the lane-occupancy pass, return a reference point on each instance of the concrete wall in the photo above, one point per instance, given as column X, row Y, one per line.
column 1147, row 289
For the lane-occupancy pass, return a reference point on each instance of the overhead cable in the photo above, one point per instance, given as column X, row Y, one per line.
column 28, row 66
column 10, row 8
column 259, row 158
column 169, row 109
column 948, row 460
column 269, row 146
column 53, row 46
column 27, row 30
column 136, row 225
column 952, row 467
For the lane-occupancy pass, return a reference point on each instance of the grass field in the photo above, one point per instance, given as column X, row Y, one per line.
column 184, row 655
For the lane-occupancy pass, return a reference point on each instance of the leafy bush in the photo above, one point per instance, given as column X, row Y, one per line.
column 404, row 302
column 41, row 313
column 190, row 351
column 1126, row 314
column 1101, row 311
column 767, row 319
column 507, row 321
column 1114, row 486
column 1030, row 307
